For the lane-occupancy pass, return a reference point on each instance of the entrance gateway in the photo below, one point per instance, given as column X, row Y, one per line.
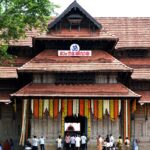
column 76, row 125
column 90, row 90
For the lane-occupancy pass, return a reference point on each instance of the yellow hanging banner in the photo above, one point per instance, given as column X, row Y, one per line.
column 51, row 108
column 100, row 109
column 40, row 108
column 65, row 107
column 62, row 118
column 89, row 118
column 86, row 108
column 111, row 107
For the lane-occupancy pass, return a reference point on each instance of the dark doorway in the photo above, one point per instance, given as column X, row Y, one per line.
column 76, row 125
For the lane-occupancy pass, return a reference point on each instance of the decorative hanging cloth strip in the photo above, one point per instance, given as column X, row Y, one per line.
column 95, row 109
column 59, row 105
column 56, row 105
column 36, row 108
column 77, row 107
column 65, row 107
column 40, row 108
column 70, row 107
column 105, row 106
column 46, row 106
column 116, row 109
column 86, row 110
column 32, row 105
column 92, row 106
column 62, row 118
column 89, row 122
column 100, row 109
column 111, row 106
column 74, row 106
column 51, row 108
column 81, row 107
column 119, row 106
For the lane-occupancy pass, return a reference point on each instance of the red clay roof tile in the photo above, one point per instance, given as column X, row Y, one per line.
column 81, row 90
column 49, row 61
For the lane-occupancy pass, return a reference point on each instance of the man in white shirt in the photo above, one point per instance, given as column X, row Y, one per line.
column 35, row 143
column 42, row 143
column 78, row 139
column 83, row 142
column 73, row 142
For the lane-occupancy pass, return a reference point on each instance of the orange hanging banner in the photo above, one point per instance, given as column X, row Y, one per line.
column 95, row 109
column 81, row 107
column 36, row 108
column 56, row 104
column 116, row 109
column 70, row 107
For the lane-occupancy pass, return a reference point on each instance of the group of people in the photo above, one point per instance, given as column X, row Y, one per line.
column 73, row 142
column 7, row 145
column 109, row 143
column 34, row 143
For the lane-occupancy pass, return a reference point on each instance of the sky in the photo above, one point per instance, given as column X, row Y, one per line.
column 110, row 8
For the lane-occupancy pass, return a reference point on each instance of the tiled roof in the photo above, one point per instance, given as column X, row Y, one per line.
column 8, row 72
column 48, row 60
column 85, row 90
column 132, row 32
column 136, row 62
column 145, row 96
column 141, row 74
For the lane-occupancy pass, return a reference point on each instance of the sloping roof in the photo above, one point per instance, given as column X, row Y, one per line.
column 49, row 61
column 132, row 32
column 89, row 90
column 145, row 96
column 136, row 62
column 141, row 74
column 68, row 9
column 8, row 72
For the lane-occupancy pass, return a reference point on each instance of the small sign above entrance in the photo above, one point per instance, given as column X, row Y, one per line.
column 74, row 51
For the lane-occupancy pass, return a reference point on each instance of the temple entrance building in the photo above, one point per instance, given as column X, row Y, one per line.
column 78, row 78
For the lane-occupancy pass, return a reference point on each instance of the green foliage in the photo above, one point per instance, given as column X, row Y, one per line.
column 17, row 16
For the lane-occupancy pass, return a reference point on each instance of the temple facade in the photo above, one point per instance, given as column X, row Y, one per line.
column 84, row 75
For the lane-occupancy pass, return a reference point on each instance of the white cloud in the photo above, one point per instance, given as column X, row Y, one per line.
column 110, row 8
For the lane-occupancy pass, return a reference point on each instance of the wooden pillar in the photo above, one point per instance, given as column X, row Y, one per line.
column 126, row 119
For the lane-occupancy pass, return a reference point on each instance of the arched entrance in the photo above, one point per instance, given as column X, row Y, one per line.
column 76, row 125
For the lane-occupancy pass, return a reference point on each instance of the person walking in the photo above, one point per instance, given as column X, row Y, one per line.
column 135, row 144
column 42, row 143
column 35, row 143
column 83, row 142
column 59, row 143
column 112, row 141
column 78, row 139
column 119, row 143
column 73, row 142
column 67, row 141
column 11, row 144
column 99, row 143
column 1, row 148
column 127, row 143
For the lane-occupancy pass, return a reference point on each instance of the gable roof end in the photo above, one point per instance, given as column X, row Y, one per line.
column 68, row 9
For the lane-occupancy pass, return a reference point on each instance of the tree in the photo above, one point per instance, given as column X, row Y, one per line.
column 18, row 16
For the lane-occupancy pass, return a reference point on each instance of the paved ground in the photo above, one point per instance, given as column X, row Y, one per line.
column 142, row 146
